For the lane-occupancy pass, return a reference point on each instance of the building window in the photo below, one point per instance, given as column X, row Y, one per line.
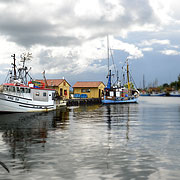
column 83, row 90
column 61, row 92
column 88, row 90
column 44, row 94
column 65, row 92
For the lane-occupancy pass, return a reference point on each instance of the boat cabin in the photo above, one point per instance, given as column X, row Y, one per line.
column 36, row 94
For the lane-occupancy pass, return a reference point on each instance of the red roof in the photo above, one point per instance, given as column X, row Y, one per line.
column 53, row 82
column 87, row 84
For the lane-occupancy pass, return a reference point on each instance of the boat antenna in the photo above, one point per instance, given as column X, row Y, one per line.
column 23, row 72
column 14, row 65
column 128, row 75
column 46, row 84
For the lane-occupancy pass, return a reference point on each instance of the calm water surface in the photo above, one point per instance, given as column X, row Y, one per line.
column 130, row 141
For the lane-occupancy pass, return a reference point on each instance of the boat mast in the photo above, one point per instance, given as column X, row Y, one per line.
column 14, row 64
column 108, row 52
column 109, row 71
column 128, row 75
column 143, row 82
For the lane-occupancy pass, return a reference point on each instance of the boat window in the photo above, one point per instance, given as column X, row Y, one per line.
column 111, row 93
column 37, row 93
column 27, row 90
column 53, row 96
column 13, row 89
column 18, row 90
column 22, row 90
column 44, row 94
column 10, row 88
column 107, row 92
column 6, row 88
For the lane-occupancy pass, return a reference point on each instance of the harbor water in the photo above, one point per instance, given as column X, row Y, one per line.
column 99, row 142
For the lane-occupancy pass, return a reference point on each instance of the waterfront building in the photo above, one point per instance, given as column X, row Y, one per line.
column 60, row 85
column 88, row 89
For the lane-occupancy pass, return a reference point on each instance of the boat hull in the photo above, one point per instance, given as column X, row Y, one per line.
column 174, row 95
column 125, row 101
column 160, row 94
column 22, row 105
column 144, row 94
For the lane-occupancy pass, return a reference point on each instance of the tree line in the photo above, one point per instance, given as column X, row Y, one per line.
column 175, row 84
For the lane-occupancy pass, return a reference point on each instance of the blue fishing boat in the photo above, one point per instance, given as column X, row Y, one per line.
column 119, row 94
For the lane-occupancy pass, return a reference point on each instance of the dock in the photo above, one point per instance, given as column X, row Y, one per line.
column 78, row 102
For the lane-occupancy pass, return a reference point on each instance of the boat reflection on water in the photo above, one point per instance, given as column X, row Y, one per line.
column 119, row 116
column 60, row 118
column 28, row 132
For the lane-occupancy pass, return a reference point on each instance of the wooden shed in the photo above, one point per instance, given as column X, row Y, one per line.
column 60, row 85
column 93, row 89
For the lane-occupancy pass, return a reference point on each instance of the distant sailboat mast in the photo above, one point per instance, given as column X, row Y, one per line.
column 144, row 82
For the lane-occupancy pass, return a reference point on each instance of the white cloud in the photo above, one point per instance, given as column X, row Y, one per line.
column 87, row 57
column 133, row 51
column 170, row 52
column 96, row 10
column 68, row 36
column 162, row 10
column 154, row 41
column 147, row 49
column 7, row 49
column 167, row 12
column 66, row 23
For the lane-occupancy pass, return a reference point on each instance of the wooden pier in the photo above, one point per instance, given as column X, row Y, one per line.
column 78, row 102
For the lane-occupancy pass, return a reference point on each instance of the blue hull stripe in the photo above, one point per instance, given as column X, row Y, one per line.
column 106, row 101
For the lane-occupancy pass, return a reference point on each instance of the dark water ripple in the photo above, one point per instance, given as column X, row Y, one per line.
column 136, row 141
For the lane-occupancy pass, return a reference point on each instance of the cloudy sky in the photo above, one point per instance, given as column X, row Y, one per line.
column 68, row 38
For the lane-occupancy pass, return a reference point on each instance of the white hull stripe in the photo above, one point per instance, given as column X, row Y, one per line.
column 18, row 97
column 26, row 103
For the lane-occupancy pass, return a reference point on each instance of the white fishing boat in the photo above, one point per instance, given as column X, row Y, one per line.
column 18, row 94
column 175, row 94
column 158, row 94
